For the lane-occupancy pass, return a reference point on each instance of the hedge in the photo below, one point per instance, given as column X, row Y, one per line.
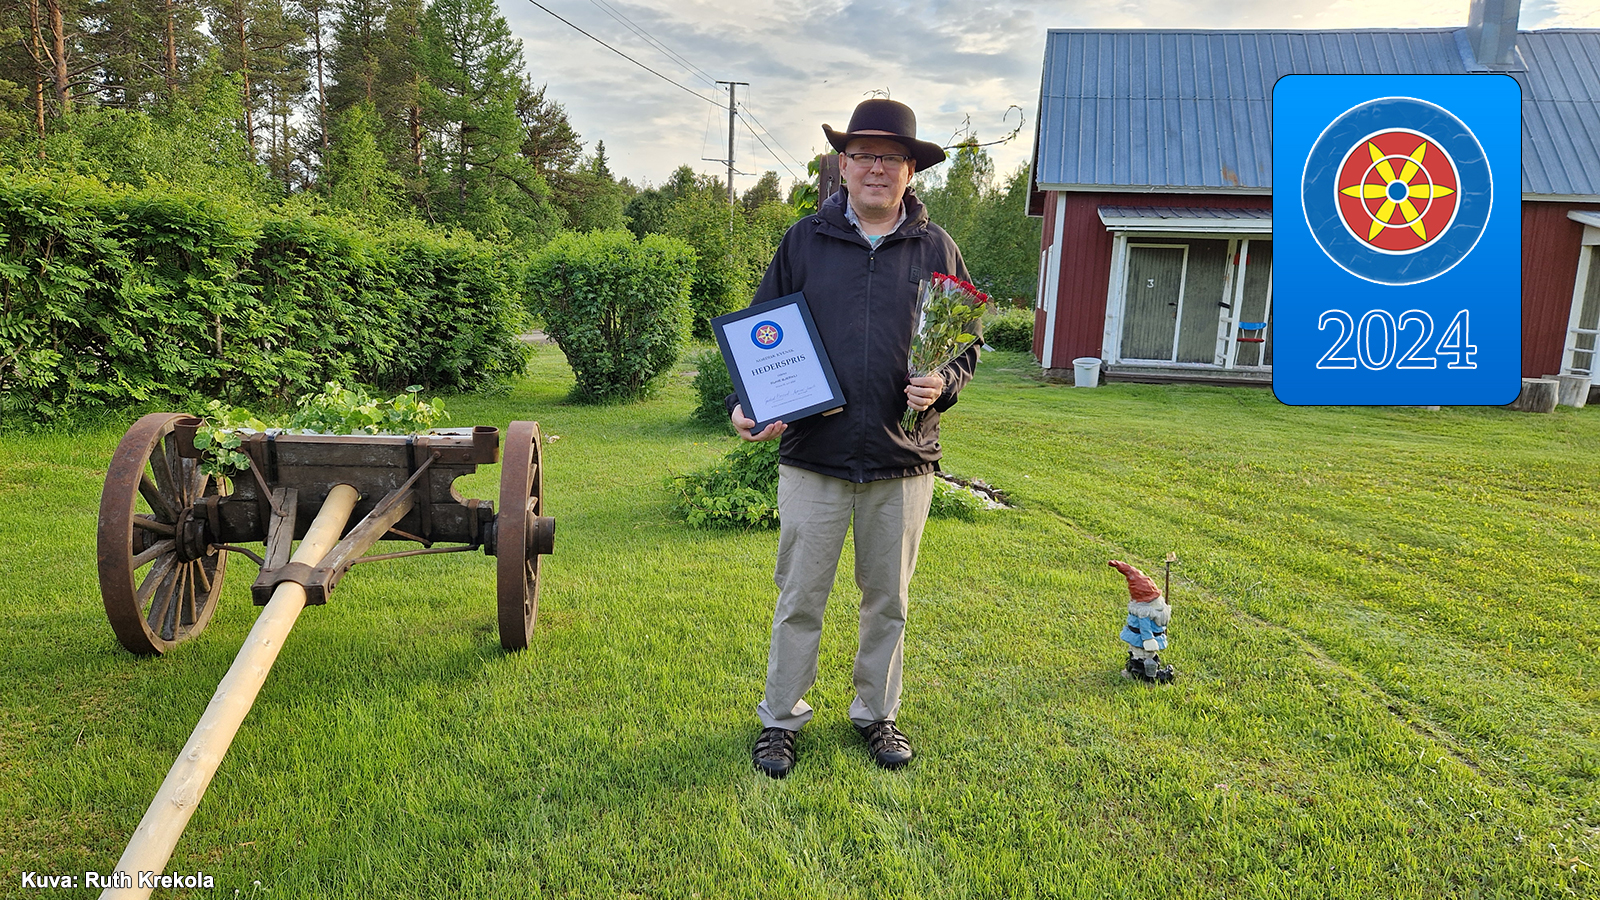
column 115, row 296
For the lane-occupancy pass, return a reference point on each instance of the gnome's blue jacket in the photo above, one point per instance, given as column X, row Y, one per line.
column 1147, row 621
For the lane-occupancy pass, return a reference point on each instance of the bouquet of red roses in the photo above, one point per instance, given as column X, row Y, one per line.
column 948, row 312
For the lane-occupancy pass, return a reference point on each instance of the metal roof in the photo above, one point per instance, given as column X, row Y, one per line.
column 1191, row 111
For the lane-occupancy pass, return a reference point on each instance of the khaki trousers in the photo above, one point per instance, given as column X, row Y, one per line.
column 815, row 512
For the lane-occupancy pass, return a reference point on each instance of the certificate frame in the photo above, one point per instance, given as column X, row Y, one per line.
column 801, row 383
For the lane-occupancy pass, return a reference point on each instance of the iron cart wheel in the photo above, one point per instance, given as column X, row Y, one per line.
column 522, row 533
column 158, row 578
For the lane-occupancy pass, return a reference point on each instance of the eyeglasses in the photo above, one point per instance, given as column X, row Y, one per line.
column 889, row 160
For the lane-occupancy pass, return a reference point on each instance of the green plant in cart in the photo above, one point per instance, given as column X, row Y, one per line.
column 220, row 435
column 341, row 410
column 335, row 410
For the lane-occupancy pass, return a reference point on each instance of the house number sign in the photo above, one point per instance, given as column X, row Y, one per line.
column 1396, row 212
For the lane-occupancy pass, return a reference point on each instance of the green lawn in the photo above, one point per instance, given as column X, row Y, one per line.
column 1382, row 627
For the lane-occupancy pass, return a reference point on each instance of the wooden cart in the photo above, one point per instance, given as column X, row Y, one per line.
column 166, row 527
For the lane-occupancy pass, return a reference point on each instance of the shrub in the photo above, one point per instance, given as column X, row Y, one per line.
column 712, row 384
column 1010, row 330
column 738, row 491
column 951, row 502
column 617, row 307
column 461, row 315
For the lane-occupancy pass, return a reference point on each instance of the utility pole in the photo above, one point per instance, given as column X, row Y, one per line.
column 731, row 88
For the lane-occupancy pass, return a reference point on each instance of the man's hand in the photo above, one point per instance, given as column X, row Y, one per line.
column 922, row 391
column 743, row 425
column 1151, row 645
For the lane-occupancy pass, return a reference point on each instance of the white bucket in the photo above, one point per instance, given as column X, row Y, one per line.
column 1086, row 371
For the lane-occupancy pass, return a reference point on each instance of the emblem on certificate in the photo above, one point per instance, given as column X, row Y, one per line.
column 780, row 369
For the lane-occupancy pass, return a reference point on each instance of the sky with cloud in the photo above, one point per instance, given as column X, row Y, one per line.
column 961, row 64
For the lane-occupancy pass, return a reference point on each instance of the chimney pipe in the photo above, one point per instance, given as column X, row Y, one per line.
column 1492, row 31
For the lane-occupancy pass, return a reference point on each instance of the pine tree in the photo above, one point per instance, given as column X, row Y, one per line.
column 478, row 177
column 593, row 200
column 353, row 60
column 263, row 44
column 145, row 50
column 374, row 60
column 16, row 75
column 399, row 99
column 548, row 139
column 183, row 47
column 315, row 16
column 64, row 68
column 357, row 176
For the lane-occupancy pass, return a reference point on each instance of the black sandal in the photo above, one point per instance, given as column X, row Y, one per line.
column 890, row 748
column 774, row 753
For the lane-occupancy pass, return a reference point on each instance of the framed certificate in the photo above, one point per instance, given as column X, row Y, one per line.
column 780, row 369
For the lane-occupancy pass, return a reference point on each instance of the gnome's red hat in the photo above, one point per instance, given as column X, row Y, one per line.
column 1140, row 587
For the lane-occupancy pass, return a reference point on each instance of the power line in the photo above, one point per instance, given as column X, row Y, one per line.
column 769, row 149
column 704, row 133
column 636, row 29
column 625, row 56
column 747, row 112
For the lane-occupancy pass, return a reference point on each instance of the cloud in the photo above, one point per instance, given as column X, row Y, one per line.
column 806, row 64
column 810, row 63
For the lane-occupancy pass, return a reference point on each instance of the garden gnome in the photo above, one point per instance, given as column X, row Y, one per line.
column 1146, row 630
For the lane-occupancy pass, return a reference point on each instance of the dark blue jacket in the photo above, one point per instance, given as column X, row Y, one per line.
column 863, row 300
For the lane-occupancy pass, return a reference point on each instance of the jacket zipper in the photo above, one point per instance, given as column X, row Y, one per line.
column 866, row 361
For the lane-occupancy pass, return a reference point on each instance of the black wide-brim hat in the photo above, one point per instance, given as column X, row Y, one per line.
column 892, row 120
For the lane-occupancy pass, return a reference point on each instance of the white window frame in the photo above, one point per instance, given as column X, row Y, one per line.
column 1228, row 330
column 1586, row 255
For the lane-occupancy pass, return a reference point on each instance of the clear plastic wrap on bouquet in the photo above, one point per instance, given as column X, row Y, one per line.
column 948, row 312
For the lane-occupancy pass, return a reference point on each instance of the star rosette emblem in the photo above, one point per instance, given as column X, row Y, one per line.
column 1397, row 191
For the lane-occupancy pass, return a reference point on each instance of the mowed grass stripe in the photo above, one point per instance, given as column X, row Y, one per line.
column 1381, row 627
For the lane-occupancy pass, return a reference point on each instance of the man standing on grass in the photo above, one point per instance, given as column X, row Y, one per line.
column 858, row 261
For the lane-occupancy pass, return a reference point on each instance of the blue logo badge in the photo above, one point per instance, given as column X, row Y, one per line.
column 1396, row 276
column 766, row 335
column 1397, row 190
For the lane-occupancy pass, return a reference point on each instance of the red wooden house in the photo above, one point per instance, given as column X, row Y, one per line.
column 1152, row 168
